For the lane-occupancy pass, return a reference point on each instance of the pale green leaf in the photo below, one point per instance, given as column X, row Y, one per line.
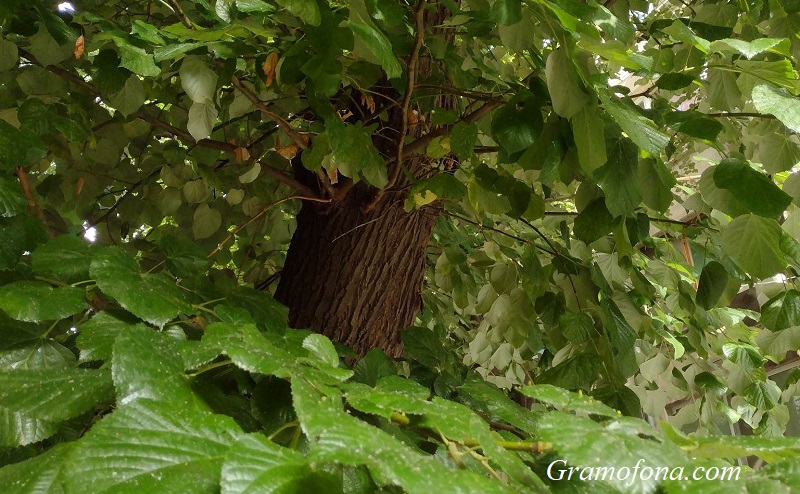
column 778, row 102
column 563, row 83
column 197, row 79
column 587, row 129
column 130, row 98
column 202, row 117
column 754, row 243
column 206, row 221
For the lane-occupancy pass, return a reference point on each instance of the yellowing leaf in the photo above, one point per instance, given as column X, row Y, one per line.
column 269, row 67
column 242, row 154
column 288, row 152
column 80, row 45
column 424, row 199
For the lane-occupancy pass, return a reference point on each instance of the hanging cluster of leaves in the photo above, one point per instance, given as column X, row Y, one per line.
column 611, row 176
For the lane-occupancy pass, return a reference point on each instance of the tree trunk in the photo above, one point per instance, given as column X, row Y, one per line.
column 357, row 277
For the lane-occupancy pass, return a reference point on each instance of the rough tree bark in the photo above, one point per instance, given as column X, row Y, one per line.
column 357, row 276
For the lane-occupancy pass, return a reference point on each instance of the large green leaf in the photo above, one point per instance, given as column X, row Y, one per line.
column 754, row 243
column 197, row 79
column 378, row 44
column 38, row 301
column 147, row 364
column 562, row 81
column 332, row 432
column 782, row 311
column 516, row 124
column 12, row 202
column 306, row 10
column 255, row 464
column 152, row 297
column 618, row 178
column 65, row 257
column 54, row 394
column 639, row 128
column 151, row 447
column 753, row 190
column 587, row 129
column 713, row 282
column 778, row 102
column 41, row 474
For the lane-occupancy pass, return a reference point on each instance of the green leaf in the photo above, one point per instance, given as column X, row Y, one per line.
column 695, row 124
column 306, row 10
column 184, row 258
column 354, row 153
column 656, row 182
column 65, row 258
column 753, row 190
column 374, row 366
column 17, row 235
column 333, row 433
column 206, row 221
column 255, row 464
column 37, row 301
column 782, row 311
column 778, row 153
column 138, row 61
column 639, row 128
column 54, row 394
column 712, row 284
column 562, row 82
column 147, row 365
column 594, row 222
column 41, row 354
column 462, row 139
column 752, row 48
column 9, row 56
column 718, row 198
column 130, row 98
column 151, row 297
column 673, row 81
column 577, row 327
column 19, row 429
column 97, row 335
column 516, row 124
column 754, row 244
column 145, row 446
column 19, row 147
column 40, row 474
column 587, row 129
column 378, row 44
column 507, row 12
column 197, row 79
column 618, row 177
column 568, row 401
column 12, row 201
column 202, row 117
column 778, row 102
column 681, row 32
column 442, row 185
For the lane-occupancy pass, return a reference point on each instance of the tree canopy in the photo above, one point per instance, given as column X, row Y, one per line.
column 217, row 219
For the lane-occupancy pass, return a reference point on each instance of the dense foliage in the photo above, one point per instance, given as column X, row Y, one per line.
column 607, row 178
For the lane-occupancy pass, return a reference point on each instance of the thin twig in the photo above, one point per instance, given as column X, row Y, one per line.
column 501, row 232
column 740, row 115
column 33, row 207
column 295, row 136
column 257, row 216
column 179, row 11
column 411, row 80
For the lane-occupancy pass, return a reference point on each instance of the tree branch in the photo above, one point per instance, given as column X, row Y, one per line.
column 299, row 140
column 740, row 115
column 33, row 208
column 411, row 80
column 260, row 214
